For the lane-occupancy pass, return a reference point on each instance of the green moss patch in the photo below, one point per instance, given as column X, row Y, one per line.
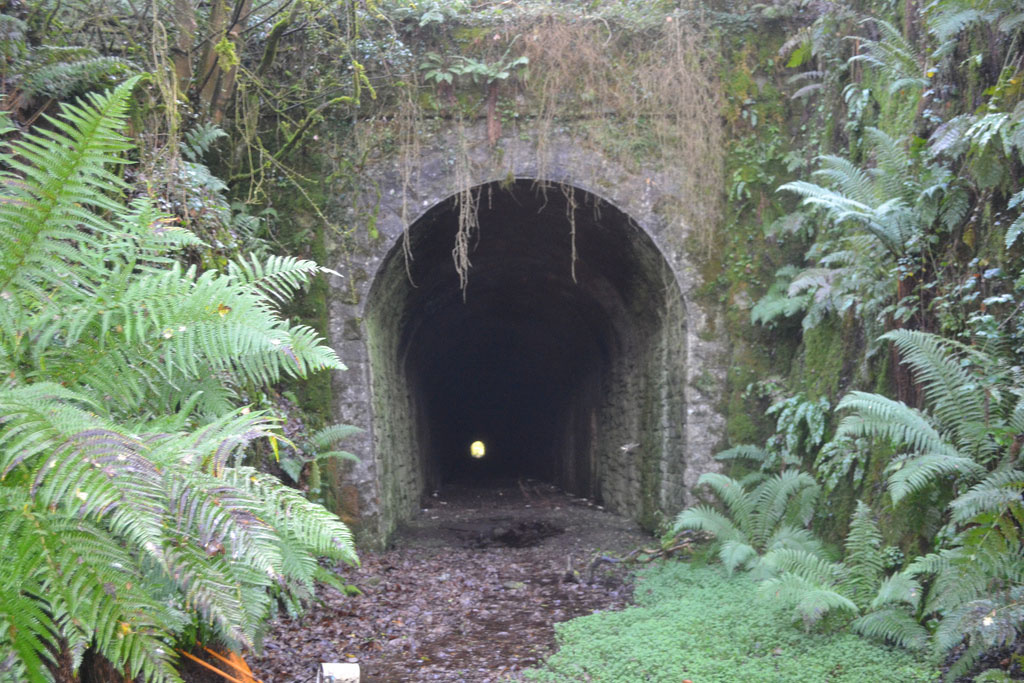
column 697, row 624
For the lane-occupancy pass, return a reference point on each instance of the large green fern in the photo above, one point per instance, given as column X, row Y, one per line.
column 884, row 607
column 969, row 424
column 879, row 215
column 963, row 447
column 770, row 516
column 125, row 511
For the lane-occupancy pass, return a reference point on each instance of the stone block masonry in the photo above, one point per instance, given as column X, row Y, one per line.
column 571, row 351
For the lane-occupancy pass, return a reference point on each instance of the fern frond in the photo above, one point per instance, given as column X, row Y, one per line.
column 893, row 56
column 965, row 659
column 810, row 600
column 1015, row 230
column 13, row 31
column 704, row 518
column 303, row 522
column 772, row 500
column 896, row 589
column 793, row 538
column 736, row 554
column 880, row 417
column 278, row 278
column 777, row 304
column 1015, row 423
column 996, row 494
column 199, row 139
column 947, row 20
column 895, row 626
column 173, row 328
column 806, row 565
column 740, row 504
column 915, row 473
column 328, row 436
column 779, row 301
column 211, row 587
column 65, row 80
column 42, row 215
column 955, row 579
column 102, row 598
column 837, row 204
column 743, row 452
column 953, row 395
column 863, row 557
column 851, row 180
column 26, row 625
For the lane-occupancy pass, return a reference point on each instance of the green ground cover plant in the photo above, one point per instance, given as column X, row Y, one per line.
column 696, row 623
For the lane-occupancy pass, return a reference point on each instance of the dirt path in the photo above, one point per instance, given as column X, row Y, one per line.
column 469, row 592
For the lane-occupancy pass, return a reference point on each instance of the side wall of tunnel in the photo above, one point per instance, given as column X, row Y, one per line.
column 646, row 422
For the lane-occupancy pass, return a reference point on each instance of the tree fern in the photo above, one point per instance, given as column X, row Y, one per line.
column 877, row 213
column 125, row 511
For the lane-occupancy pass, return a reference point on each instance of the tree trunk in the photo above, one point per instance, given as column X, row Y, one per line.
column 185, row 23
column 217, row 72
column 208, row 72
column 227, row 83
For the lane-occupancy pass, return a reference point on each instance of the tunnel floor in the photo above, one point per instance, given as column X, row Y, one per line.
column 453, row 600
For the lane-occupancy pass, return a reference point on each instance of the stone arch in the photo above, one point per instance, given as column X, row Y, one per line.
column 570, row 371
column 610, row 372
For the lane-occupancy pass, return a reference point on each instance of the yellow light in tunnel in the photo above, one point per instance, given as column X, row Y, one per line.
column 476, row 449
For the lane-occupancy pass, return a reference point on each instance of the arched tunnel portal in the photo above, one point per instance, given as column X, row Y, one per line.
column 564, row 353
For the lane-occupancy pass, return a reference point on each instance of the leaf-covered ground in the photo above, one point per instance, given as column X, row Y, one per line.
column 470, row 591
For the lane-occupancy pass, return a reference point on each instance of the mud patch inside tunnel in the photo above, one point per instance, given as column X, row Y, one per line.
column 564, row 354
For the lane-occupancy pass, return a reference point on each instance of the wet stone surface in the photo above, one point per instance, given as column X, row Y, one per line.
column 469, row 592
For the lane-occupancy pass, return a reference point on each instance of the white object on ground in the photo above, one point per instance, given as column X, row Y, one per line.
column 338, row 672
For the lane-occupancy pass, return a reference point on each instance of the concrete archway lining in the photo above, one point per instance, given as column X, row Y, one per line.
column 555, row 363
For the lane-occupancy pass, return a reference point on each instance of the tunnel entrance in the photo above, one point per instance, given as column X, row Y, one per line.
column 563, row 355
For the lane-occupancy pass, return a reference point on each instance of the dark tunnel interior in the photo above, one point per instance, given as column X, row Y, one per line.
column 520, row 360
